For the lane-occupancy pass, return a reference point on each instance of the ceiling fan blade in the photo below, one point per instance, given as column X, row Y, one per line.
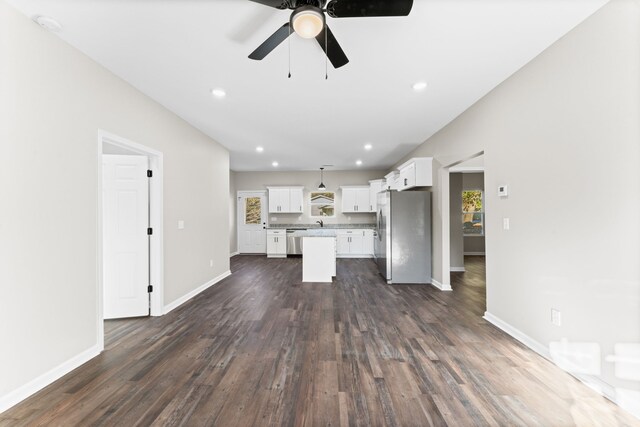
column 334, row 52
column 271, row 43
column 365, row 8
column 278, row 4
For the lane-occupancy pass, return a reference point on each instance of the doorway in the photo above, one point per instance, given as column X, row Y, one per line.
column 467, row 220
column 130, row 230
column 252, row 222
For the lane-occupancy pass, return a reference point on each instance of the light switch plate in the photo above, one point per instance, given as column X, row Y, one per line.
column 506, row 223
column 556, row 317
column 503, row 191
column 181, row 225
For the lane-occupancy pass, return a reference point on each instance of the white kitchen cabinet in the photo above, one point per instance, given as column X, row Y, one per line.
column 285, row 199
column 342, row 242
column 355, row 199
column 375, row 187
column 367, row 242
column 392, row 180
column 296, row 199
column 416, row 172
column 276, row 243
column 356, row 243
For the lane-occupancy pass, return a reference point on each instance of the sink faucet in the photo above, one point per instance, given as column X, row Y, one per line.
column 321, row 223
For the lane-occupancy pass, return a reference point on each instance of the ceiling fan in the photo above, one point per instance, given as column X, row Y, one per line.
column 308, row 21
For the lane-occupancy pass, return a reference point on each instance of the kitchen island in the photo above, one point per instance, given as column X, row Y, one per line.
column 318, row 255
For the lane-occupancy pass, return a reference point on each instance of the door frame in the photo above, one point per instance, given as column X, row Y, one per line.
column 156, row 255
column 445, row 223
column 240, row 212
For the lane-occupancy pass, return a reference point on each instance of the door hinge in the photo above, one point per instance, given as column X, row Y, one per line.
column 149, row 173
column 149, row 231
column 150, row 288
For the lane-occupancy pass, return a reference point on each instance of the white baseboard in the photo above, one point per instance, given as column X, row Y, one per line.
column 37, row 384
column 534, row 345
column 593, row 382
column 457, row 269
column 177, row 303
column 440, row 286
column 232, row 254
column 474, row 253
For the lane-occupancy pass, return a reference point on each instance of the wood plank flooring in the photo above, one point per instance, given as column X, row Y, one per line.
column 262, row 349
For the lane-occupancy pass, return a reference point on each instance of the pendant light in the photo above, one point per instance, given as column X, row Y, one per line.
column 322, row 186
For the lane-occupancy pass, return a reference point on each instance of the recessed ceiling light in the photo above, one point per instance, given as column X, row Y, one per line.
column 259, row 149
column 359, row 162
column 218, row 93
column 274, row 164
column 368, row 147
column 48, row 23
column 420, row 86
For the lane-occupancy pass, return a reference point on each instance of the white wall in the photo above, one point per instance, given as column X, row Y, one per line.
column 564, row 134
column 247, row 181
column 54, row 99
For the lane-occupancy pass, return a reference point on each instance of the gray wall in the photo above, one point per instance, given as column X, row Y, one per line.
column 233, row 237
column 563, row 133
column 456, row 235
column 54, row 99
column 247, row 181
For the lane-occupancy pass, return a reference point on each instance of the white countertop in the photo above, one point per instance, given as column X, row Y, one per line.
column 316, row 233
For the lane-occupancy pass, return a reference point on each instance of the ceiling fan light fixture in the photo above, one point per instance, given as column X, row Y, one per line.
column 307, row 21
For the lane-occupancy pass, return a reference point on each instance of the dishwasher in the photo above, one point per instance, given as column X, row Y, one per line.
column 294, row 242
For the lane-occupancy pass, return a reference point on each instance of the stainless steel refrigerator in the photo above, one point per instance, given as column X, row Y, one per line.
column 402, row 246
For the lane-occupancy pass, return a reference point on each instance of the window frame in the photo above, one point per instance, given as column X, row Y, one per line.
column 313, row 204
column 480, row 212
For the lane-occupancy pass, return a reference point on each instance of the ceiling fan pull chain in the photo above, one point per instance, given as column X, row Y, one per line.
column 289, row 52
column 326, row 56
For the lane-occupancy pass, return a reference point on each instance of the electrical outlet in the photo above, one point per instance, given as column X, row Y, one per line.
column 180, row 225
column 210, row 263
column 506, row 223
column 556, row 317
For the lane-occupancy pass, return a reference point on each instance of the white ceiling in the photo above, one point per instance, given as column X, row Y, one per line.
column 175, row 51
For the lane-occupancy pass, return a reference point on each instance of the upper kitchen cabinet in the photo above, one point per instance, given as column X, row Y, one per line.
column 355, row 199
column 286, row 199
column 392, row 180
column 416, row 172
column 375, row 187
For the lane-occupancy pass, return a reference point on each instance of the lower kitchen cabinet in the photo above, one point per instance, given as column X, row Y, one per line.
column 356, row 243
column 276, row 244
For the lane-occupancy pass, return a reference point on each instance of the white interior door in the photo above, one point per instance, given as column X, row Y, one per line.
column 125, row 239
column 252, row 220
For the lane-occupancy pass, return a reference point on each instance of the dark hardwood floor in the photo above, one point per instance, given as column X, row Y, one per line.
column 260, row 348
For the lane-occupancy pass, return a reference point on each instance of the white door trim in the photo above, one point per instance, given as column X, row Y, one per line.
column 239, row 213
column 445, row 222
column 156, row 256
